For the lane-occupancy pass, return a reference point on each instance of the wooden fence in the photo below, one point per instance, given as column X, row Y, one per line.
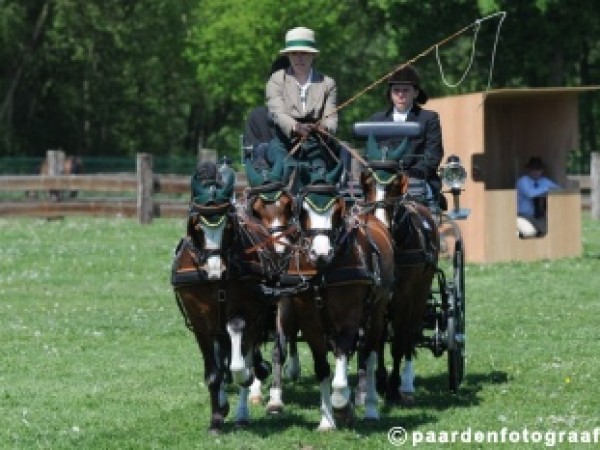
column 146, row 195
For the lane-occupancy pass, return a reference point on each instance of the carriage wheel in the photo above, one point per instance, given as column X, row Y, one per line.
column 459, row 272
column 456, row 321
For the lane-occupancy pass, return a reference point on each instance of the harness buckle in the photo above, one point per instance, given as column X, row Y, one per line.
column 318, row 298
column 221, row 295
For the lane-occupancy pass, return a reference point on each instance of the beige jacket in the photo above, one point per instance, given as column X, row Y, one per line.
column 285, row 105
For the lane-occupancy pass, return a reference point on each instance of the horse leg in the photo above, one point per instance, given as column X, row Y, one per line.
column 381, row 375
column 392, row 393
column 340, row 396
column 239, row 369
column 371, row 396
column 407, row 380
column 400, row 388
column 341, row 393
column 372, row 352
column 361, row 386
column 327, row 420
column 262, row 369
column 213, row 376
column 275, row 404
column 292, row 368
column 242, row 412
column 310, row 324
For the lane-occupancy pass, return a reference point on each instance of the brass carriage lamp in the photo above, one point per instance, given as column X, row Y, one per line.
column 454, row 176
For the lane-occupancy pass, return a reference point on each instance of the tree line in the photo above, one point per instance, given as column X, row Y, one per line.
column 113, row 77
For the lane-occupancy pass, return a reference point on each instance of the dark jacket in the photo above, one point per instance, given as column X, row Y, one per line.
column 259, row 127
column 426, row 149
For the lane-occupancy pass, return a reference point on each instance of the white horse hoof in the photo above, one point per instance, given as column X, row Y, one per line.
column 274, row 408
column 340, row 399
column 325, row 425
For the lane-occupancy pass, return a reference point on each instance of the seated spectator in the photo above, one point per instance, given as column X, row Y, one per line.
column 532, row 190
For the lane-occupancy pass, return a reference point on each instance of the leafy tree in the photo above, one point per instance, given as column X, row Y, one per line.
column 108, row 77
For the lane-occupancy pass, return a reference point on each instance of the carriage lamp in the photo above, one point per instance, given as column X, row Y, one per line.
column 454, row 176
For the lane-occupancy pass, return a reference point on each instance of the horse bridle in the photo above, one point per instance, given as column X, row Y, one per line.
column 290, row 227
column 198, row 213
column 333, row 233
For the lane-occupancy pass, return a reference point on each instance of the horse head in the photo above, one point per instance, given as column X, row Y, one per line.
column 384, row 179
column 322, row 214
column 210, row 220
column 270, row 203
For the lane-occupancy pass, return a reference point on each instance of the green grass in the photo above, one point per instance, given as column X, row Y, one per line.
column 95, row 355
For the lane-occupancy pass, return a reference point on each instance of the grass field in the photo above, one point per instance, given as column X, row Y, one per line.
column 94, row 353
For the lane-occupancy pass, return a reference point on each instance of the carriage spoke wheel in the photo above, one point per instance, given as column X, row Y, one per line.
column 456, row 321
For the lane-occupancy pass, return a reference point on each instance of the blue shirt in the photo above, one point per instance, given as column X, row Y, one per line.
column 529, row 188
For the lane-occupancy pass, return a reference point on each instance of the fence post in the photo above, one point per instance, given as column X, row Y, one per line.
column 145, row 183
column 595, row 185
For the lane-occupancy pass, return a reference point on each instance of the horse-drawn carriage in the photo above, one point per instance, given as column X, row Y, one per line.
column 340, row 263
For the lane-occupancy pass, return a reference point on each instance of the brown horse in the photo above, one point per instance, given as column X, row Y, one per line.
column 216, row 287
column 338, row 283
column 272, row 206
column 416, row 243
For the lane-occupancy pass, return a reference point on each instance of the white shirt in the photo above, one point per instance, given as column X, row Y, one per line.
column 304, row 89
column 400, row 116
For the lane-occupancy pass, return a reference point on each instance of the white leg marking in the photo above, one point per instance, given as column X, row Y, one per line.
column 238, row 367
column 256, row 392
column 275, row 404
column 341, row 392
column 327, row 420
column 371, row 398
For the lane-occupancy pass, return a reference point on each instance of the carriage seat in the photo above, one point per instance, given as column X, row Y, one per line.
column 386, row 130
column 418, row 189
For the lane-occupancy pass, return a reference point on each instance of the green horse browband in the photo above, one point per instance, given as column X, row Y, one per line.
column 320, row 209
column 214, row 224
column 377, row 177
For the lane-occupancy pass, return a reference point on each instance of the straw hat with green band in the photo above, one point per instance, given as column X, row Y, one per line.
column 300, row 39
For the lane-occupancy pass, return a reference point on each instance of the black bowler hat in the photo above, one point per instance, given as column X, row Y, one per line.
column 535, row 163
column 409, row 75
